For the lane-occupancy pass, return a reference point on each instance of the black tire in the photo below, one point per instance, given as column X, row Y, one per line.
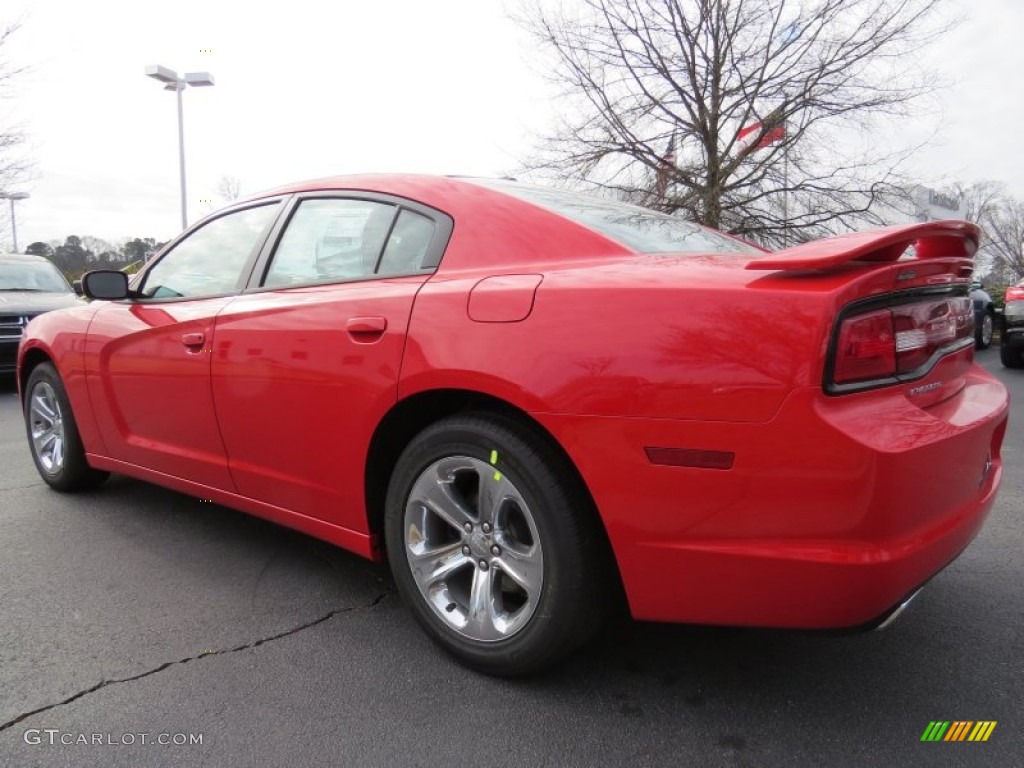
column 1011, row 357
column 983, row 333
column 541, row 498
column 61, row 463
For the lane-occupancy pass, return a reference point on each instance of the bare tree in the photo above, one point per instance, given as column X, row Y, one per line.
column 657, row 92
column 980, row 199
column 14, row 166
column 1004, row 231
column 1001, row 217
column 229, row 188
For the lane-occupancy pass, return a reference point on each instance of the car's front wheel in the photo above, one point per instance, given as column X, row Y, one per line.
column 53, row 434
column 983, row 333
column 494, row 545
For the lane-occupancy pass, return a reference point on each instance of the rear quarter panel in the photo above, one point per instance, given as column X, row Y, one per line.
column 667, row 337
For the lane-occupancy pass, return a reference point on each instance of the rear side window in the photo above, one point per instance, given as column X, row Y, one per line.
column 407, row 245
column 336, row 239
column 635, row 227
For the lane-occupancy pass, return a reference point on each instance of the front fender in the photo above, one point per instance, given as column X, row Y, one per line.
column 59, row 337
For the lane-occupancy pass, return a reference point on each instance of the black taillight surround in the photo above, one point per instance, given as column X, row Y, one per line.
column 873, row 303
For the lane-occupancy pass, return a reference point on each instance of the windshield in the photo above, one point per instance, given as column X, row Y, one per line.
column 32, row 276
column 638, row 228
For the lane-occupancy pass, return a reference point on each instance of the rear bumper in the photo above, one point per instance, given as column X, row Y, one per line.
column 832, row 513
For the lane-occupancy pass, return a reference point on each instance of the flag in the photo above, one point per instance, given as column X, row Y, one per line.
column 668, row 162
column 762, row 133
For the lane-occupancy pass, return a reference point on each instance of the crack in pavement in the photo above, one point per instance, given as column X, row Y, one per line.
column 224, row 651
column 20, row 487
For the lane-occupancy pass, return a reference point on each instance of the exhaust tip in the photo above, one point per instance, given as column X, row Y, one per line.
column 897, row 611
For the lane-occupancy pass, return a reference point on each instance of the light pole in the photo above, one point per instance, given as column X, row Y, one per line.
column 173, row 82
column 12, row 196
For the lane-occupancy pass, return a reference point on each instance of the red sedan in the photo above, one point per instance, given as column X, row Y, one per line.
column 533, row 402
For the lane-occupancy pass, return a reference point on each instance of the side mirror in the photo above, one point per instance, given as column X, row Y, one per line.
column 76, row 286
column 105, row 284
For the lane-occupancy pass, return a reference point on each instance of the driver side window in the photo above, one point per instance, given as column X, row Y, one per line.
column 210, row 260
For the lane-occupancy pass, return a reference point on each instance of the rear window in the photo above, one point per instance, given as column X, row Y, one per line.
column 32, row 276
column 638, row 228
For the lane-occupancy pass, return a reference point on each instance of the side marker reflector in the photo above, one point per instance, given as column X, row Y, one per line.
column 690, row 457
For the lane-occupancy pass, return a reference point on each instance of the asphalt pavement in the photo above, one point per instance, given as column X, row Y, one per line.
column 133, row 615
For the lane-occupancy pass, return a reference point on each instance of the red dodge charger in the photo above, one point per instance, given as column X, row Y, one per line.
column 533, row 402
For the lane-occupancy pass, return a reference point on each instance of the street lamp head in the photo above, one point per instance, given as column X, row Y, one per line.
column 198, row 78
column 163, row 74
column 13, row 195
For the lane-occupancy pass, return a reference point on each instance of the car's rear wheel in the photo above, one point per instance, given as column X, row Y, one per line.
column 53, row 434
column 494, row 545
column 983, row 334
column 1011, row 357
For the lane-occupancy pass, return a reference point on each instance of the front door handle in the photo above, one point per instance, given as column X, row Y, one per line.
column 193, row 339
column 366, row 329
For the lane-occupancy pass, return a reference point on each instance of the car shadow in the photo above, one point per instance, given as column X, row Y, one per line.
column 689, row 660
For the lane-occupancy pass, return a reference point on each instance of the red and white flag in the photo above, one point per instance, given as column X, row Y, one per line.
column 761, row 134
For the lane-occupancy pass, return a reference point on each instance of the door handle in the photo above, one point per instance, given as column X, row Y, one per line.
column 364, row 329
column 193, row 339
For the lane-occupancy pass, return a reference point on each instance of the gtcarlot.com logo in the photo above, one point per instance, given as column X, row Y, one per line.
column 53, row 736
column 958, row 730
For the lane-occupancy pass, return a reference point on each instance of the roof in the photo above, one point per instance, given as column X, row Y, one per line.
column 446, row 193
column 15, row 258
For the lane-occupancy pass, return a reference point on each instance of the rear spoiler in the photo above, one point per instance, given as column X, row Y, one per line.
column 932, row 240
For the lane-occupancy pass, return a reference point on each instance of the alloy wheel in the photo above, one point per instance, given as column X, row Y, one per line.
column 473, row 548
column 47, row 427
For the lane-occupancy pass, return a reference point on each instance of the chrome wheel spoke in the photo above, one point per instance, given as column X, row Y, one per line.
column 431, row 566
column 42, row 408
column 482, row 614
column 436, row 494
column 46, row 442
column 492, row 493
column 524, row 568
column 57, row 456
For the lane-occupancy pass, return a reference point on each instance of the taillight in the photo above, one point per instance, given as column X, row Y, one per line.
column 867, row 348
column 1015, row 293
column 899, row 342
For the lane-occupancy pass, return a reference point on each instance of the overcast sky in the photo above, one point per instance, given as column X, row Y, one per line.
column 307, row 89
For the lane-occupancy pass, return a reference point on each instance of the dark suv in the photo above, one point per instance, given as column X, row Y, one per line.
column 1011, row 344
column 29, row 286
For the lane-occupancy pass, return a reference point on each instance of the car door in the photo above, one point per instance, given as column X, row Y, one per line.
column 307, row 362
column 148, row 357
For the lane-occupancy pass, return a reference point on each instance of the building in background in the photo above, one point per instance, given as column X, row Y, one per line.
column 923, row 203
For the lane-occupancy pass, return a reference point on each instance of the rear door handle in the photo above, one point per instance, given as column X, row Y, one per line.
column 193, row 339
column 365, row 329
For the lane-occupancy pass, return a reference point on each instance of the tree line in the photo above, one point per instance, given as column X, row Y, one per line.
column 77, row 255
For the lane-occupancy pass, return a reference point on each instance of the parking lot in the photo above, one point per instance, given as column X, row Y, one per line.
column 142, row 615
